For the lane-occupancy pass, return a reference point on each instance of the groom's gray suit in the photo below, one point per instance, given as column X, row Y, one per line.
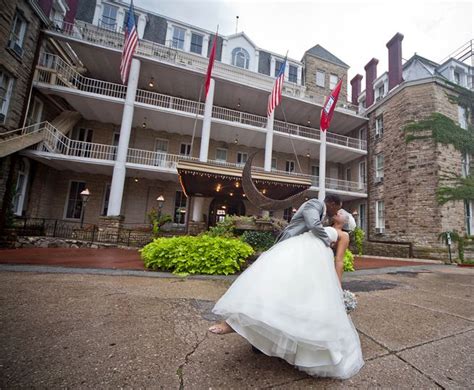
column 308, row 218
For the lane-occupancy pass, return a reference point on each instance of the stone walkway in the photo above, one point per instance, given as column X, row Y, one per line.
column 77, row 330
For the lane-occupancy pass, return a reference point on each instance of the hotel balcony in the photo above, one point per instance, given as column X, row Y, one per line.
column 103, row 101
column 61, row 152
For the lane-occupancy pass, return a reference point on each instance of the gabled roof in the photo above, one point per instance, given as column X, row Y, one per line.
column 321, row 52
column 245, row 36
column 421, row 59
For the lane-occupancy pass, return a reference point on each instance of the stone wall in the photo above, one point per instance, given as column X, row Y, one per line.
column 18, row 66
column 313, row 64
column 411, row 170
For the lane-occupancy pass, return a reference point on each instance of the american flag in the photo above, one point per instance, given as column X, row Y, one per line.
column 275, row 97
column 130, row 43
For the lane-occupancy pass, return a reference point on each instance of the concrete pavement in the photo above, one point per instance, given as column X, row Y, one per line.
column 70, row 328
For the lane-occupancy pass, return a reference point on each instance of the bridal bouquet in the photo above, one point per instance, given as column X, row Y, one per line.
column 350, row 301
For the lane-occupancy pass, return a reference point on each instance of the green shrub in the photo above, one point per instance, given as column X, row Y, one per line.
column 196, row 255
column 359, row 239
column 224, row 228
column 348, row 261
column 260, row 241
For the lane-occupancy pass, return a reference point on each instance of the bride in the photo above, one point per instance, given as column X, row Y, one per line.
column 289, row 304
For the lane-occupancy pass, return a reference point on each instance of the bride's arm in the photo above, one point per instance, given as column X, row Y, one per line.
column 342, row 245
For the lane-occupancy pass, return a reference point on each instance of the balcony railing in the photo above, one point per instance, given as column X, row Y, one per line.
column 155, row 159
column 53, row 70
column 107, row 37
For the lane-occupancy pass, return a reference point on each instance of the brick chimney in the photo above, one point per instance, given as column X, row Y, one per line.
column 394, row 46
column 370, row 76
column 355, row 84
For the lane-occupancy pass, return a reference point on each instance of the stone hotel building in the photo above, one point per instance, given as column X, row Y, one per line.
column 69, row 124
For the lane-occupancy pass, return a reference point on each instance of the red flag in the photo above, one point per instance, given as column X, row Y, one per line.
column 329, row 106
column 210, row 65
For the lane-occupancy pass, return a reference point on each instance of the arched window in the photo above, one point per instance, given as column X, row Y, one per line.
column 240, row 58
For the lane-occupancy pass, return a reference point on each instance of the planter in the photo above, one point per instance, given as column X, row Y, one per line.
column 466, row 265
column 245, row 226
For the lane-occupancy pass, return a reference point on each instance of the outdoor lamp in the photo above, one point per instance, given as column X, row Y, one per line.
column 85, row 195
column 160, row 200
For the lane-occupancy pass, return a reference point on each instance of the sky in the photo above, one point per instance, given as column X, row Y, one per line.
column 353, row 31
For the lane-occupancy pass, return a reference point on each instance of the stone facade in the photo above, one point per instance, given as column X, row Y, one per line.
column 412, row 171
column 18, row 65
column 311, row 65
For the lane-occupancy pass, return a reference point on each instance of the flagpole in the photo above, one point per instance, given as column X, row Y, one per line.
column 322, row 166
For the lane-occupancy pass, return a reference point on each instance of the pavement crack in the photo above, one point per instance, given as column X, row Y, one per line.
column 421, row 372
column 180, row 370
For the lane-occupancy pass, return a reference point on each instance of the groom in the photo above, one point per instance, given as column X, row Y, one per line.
column 309, row 217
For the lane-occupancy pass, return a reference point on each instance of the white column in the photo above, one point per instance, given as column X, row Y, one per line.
column 97, row 13
column 300, row 74
column 141, row 25
column 118, row 177
column 322, row 167
column 205, row 45
column 120, row 21
column 198, row 206
column 206, row 123
column 272, row 67
column 269, row 143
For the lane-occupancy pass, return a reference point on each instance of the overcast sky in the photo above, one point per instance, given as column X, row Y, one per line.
column 353, row 31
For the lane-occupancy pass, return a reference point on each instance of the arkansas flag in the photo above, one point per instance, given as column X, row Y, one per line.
column 210, row 65
column 329, row 106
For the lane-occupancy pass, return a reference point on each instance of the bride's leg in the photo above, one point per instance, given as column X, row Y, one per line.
column 221, row 328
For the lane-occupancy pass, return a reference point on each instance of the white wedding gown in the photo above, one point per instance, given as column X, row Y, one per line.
column 289, row 304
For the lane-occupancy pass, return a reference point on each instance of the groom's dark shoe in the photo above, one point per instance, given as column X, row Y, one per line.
column 256, row 350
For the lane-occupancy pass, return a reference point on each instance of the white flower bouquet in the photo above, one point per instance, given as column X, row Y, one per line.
column 350, row 301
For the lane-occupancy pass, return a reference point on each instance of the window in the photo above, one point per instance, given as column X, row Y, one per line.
column 380, row 216
column 105, row 200
column 466, row 164
column 17, row 34
column 36, row 111
column 348, row 174
column 288, row 214
column 274, row 163
column 109, row 17
column 457, row 78
column 462, row 119
column 240, row 58
column 379, row 167
column 74, row 201
column 293, row 74
column 196, row 43
column 180, row 207
column 362, row 222
column 362, row 137
column 6, row 84
column 178, row 38
column 320, row 76
column 278, row 65
column 315, row 170
column 221, row 154
column 242, row 158
column 469, row 208
column 379, row 126
column 362, row 174
column 290, row 166
column 20, row 189
column 185, row 149
column 84, row 137
column 161, row 149
column 381, row 92
column 333, row 80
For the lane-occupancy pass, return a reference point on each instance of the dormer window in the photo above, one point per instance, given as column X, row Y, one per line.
column 381, row 91
column 196, row 43
column 178, row 38
column 457, row 78
column 109, row 17
column 240, row 58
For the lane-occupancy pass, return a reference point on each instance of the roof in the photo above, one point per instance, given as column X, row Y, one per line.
column 321, row 52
